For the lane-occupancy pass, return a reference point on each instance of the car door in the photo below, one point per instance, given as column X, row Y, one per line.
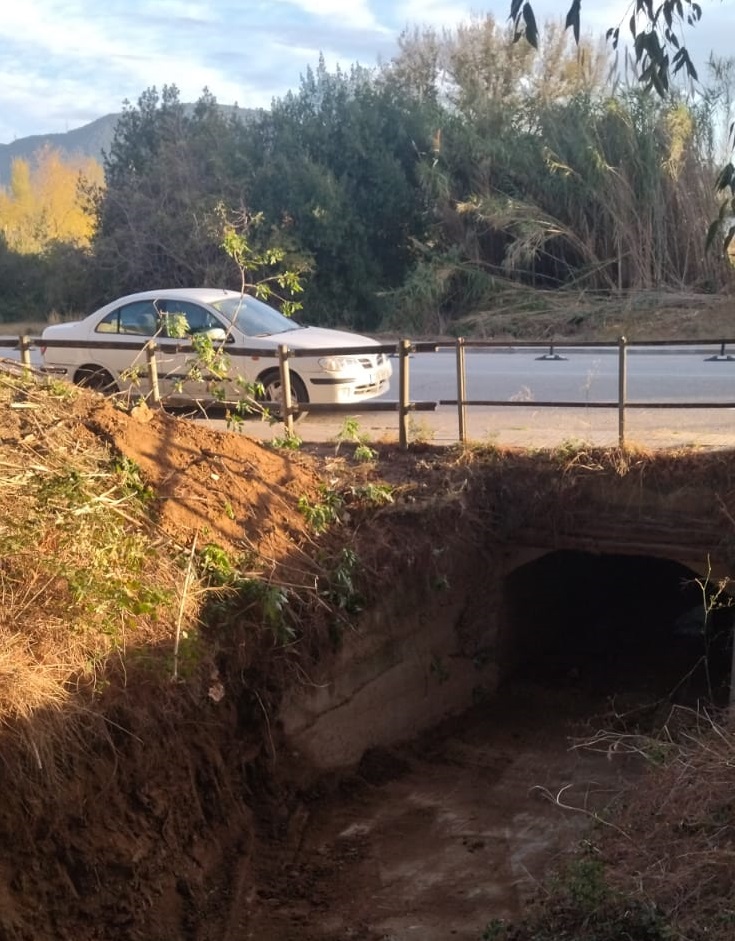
column 137, row 321
column 196, row 375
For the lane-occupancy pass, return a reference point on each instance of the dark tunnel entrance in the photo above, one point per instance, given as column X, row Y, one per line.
column 619, row 624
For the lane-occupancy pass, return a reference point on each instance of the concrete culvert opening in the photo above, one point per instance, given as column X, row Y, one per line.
column 460, row 825
column 622, row 625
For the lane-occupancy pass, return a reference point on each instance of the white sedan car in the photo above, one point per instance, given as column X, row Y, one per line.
column 231, row 321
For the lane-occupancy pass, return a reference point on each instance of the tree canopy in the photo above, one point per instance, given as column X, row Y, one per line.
column 165, row 175
column 44, row 202
column 653, row 29
column 468, row 169
column 659, row 53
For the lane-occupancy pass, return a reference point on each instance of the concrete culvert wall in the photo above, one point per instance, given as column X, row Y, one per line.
column 441, row 642
column 425, row 650
column 598, row 571
column 614, row 620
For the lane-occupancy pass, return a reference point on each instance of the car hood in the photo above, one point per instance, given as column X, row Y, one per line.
column 313, row 338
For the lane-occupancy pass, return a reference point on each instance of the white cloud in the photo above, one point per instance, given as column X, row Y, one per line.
column 55, row 28
column 66, row 62
column 71, row 62
column 439, row 13
column 352, row 13
column 179, row 9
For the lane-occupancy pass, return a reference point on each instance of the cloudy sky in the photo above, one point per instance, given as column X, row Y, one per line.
column 64, row 63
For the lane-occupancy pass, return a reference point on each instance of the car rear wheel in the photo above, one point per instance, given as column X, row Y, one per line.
column 97, row 378
column 272, row 390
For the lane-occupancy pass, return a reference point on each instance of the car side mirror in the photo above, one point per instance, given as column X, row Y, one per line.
column 216, row 334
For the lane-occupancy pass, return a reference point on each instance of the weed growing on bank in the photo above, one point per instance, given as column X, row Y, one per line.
column 81, row 579
column 341, row 505
column 287, row 442
column 581, row 905
column 94, row 585
column 350, row 433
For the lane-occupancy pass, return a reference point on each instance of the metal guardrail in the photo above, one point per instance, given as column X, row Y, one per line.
column 621, row 404
column 288, row 408
column 403, row 349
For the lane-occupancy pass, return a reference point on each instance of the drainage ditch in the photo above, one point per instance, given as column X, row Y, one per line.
column 434, row 838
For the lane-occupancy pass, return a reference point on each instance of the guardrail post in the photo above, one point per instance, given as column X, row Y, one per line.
column 721, row 357
column 24, row 344
column 404, row 348
column 461, row 390
column 622, row 388
column 286, row 401
column 551, row 354
column 150, row 354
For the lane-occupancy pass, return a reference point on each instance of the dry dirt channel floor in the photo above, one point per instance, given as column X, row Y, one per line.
column 434, row 840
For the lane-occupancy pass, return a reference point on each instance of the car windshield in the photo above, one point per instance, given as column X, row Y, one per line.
column 253, row 317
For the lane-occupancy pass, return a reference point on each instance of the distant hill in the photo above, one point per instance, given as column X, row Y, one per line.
column 87, row 141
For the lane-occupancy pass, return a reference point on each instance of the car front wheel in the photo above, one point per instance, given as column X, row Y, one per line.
column 97, row 378
column 273, row 390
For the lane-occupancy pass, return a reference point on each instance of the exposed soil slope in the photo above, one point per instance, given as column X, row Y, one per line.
column 138, row 807
column 134, row 806
column 128, row 797
column 228, row 489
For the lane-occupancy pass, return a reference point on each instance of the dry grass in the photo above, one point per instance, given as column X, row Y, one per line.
column 660, row 865
column 678, row 849
column 83, row 576
column 31, row 328
column 558, row 315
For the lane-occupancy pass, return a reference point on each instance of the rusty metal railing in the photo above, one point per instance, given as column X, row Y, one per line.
column 402, row 349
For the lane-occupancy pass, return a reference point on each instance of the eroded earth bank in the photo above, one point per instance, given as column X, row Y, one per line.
column 251, row 693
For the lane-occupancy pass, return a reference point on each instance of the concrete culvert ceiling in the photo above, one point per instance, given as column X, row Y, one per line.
column 620, row 623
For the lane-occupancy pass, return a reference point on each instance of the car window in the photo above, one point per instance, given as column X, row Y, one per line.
column 138, row 319
column 253, row 317
column 196, row 319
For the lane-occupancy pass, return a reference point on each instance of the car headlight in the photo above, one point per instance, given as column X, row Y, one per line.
column 338, row 363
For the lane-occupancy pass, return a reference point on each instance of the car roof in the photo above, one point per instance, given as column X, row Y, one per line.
column 205, row 295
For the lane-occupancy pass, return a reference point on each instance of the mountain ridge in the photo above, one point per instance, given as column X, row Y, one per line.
column 89, row 140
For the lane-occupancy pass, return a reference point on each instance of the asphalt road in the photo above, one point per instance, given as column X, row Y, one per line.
column 673, row 375
column 668, row 375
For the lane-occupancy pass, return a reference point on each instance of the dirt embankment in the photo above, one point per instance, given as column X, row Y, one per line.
column 147, row 802
column 140, row 787
column 130, row 799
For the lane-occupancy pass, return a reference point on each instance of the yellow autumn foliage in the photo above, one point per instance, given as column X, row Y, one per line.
column 43, row 202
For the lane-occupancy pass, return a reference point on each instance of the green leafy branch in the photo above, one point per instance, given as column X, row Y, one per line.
column 237, row 243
